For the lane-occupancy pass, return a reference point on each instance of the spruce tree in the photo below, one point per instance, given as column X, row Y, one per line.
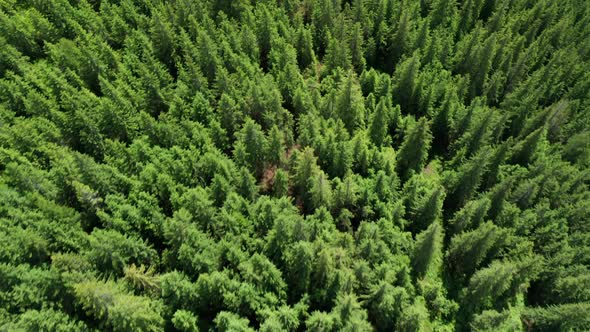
column 464, row 183
column 406, row 84
column 428, row 253
column 379, row 123
column 349, row 104
column 320, row 192
column 413, row 153
column 254, row 144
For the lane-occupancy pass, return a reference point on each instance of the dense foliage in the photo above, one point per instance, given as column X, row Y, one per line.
column 322, row 165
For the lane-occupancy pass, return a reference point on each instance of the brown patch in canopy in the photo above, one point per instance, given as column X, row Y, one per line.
column 267, row 179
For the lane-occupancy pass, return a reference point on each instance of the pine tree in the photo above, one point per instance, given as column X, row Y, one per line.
column 116, row 309
column 415, row 317
column 400, row 41
column 469, row 249
column 266, row 31
column 320, row 321
column 386, row 303
column 207, row 55
column 443, row 13
column 464, row 183
column 564, row 317
column 227, row 321
column 304, row 45
column 379, row 123
column 495, row 286
column 300, row 262
column 356, row 48
column 185, row 321
column 280, row 185
column 470, row 216
column 406, row 83
column 413, row 153
column 360, row 154
column 305, row 169
column 491, row 320
column 230, row 117
column 443, row 123
column 276, row 148
column 524, row 151
column 220, row 188
column 246, row 184
column 349, row 104
column 254, row 144
column 337, row 55
column 480, row 134
column 492, row 174
column 323, row 17
column 428, row 253
column 320, row 192
column 430, row 211
column 498, row 196
column 483, row 65
column 350, row 316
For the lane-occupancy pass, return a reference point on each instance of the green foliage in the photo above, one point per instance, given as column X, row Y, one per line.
column 491, row 320
column 227, row 321
column 349, row 104
column 44, row 320
column 570, row 316
column 427, row 258
column 110, row 251
column 293, row 165
column 413, row 153
column 116, row 309
column 185, row 321
column 469, row 249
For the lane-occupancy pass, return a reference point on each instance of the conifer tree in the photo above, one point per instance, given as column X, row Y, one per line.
column 430, row 211
column 400, row 41
column 406, row 84
column 254, row 144
column 304, row 45
column 443, row 123
column 494, row 286
column 413, row 153
column 337, row 55
column 463, row 184
column 470, row 216
column 276, row 147
column 356, row 48
column 428, row 254
column 524, row 152
column 379, row 123
column 386, row 304
column 350, row 316
column 415, row 317
column 320, row 191
column 498, row 158
column 280, row 185
column 116, row 309
column 294, row 165
column 349, row 104
column 246, row 184
column 300, row 262
column 468, row 250
column 569, row 316
column 305, row 168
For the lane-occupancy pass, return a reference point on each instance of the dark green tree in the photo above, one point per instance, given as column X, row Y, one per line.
column 413, row 153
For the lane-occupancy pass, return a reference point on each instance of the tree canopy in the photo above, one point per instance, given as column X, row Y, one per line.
column 294, row 165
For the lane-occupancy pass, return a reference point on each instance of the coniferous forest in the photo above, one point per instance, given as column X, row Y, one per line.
column 295, row 165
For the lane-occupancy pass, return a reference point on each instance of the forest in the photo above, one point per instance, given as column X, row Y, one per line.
column 294, row 165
